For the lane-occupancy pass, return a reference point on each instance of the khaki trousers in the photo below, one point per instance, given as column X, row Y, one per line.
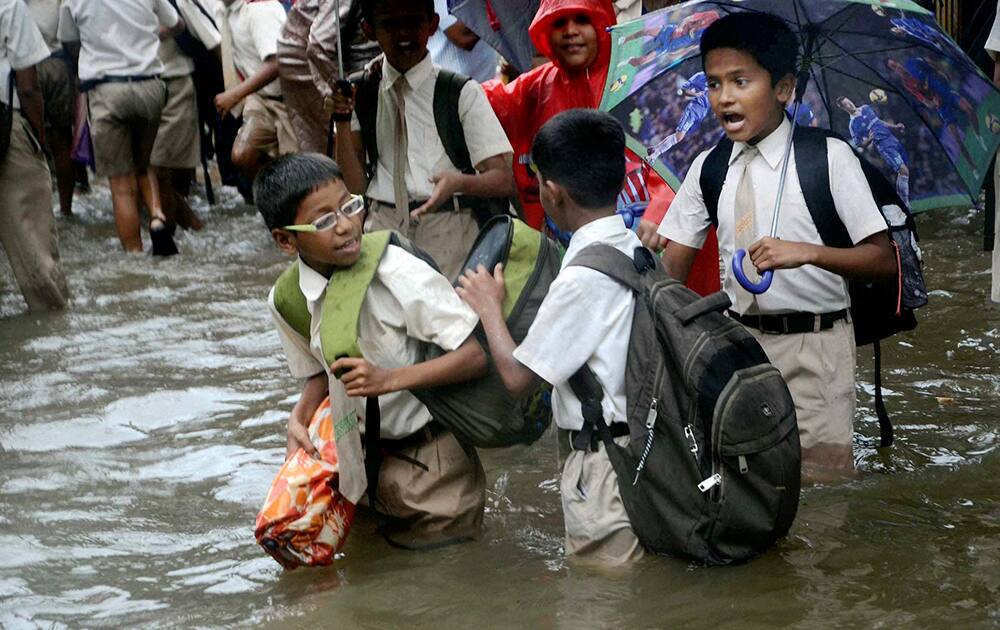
column 266, row 127
column 447, row 234
column 819, row 369
column 27, row 225
column 178, row 143
column 434, row 507
column 597, row 527
column 124, row 118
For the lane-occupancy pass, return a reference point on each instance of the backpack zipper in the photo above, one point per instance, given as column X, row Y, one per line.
column 650, row 421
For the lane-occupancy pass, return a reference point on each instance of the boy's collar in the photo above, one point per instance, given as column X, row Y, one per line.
column 311, row 282
column 414, row 76
column 594, row 231
column 772, row 148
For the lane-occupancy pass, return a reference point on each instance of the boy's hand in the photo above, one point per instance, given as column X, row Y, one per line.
column 226, row 101
column 340, row 103
column 298, row 435
column 446, row 184
column 772, row 253
column 483, row 292
column 361, row 378
column 647, row 234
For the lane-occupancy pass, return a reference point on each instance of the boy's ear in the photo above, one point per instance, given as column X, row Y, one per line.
column 435, row 22
column 285, row 241
column 785, row 88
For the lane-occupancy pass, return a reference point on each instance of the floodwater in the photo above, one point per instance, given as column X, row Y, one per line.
column 140, row 430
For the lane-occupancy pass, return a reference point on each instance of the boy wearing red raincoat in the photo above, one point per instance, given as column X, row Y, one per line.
column 573, row 34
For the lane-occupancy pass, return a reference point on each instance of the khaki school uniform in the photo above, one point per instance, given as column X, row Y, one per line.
column 254, row 28
column 406, row 305
column 27, row 225
column 178, row 143
column 58, row 87
column 818, row 366
column 448, row 233
column 120, row 76
column 594, row 313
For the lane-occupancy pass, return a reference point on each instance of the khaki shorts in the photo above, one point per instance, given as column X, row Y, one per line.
column 59, row 91
column 447, row 235
column 177, row 141
column 124, row 118
column 819, row 369
column 266, row 128
column 597, row 527
column 441, row 505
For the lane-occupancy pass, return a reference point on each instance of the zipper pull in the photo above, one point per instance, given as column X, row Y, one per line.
column 710, row 483
column 743, row 464
column 689, row 434
column 651, row 416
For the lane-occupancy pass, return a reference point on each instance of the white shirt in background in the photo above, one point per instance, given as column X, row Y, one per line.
column 805, row 289
column 426, row 155
column 586, row 318
column 117, row 37
column 256, row 27
column 21, row 45
column 46, row 16
column 480, row 63
column 200, row 26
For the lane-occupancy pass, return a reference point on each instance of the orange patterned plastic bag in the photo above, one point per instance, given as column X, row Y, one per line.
column 305, row 519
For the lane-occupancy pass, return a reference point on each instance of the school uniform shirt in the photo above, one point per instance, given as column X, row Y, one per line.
column 480, row 63
column 117, row 37
column 805, row 289
column 408, row 303
column 256, row 27
column 21, row 45
column 200, row 26
column 425, row 152
column 46, row 16
column 586, row 318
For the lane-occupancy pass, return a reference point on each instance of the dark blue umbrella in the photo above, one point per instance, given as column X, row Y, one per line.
column 503, row 24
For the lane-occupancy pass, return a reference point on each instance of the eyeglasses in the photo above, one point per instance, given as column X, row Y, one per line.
column 354, row 207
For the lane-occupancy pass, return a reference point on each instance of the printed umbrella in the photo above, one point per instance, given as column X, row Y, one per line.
column 503, row 24
column 879, row 72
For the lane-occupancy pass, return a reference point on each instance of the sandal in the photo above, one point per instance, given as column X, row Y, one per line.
column 162, row 237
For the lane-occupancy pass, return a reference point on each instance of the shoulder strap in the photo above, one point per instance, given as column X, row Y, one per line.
column 615, row 264
column 344, row 296
column 814, row 178
column 713, row 176
column 290, row 302
column 447, row 91
column 366, row 107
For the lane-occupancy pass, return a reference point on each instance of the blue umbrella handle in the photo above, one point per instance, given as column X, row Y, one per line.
column 746, row 283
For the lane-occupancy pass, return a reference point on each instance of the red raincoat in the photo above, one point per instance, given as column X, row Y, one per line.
column 530, row 100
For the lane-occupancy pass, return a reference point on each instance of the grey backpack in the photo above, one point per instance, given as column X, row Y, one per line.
column 711, row 471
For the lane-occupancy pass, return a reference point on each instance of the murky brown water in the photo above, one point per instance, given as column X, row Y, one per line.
column 141, row 429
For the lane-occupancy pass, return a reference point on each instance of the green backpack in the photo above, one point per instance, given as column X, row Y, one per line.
column 479, row 412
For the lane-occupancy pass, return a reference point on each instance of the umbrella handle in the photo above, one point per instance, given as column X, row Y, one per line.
column 746, row 283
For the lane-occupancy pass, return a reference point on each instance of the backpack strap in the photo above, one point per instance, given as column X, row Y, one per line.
column 447, row 91
column 616, row 265
column 290, row 302
column 366, row 106
column 813, row 170
column 713, row 176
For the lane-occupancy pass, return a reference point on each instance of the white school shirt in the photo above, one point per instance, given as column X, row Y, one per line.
column 198, row 24
column 407, row 303
column 117, row 37
column 993, row 41
column 480, row 63
column 256, row 27
column 46, row 16
column 425, row 152
column 805, row 289
column 586, row 317
column 21, row 45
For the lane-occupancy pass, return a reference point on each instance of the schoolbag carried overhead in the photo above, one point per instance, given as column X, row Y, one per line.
column 711, row 470
column 878, row 310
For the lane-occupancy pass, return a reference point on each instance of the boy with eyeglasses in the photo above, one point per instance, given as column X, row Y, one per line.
column 429, row 488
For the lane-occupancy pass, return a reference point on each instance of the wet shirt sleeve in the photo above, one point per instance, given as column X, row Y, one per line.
column 852, row 196
column 484, row 135
column 266, row 22
column 199, row 24
column 165, row 13
column 301, row 361
column 67, row 30
column 24, row 44
column 993, row 41
column 686, row 221
column 431, row 310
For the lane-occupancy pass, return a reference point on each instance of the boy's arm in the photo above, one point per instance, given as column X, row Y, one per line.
column 229, row 99
column 678, row 260
column 348, row 144
column 871, row 259
column 30, row 95
column 686, row 224
column 485, row 293
column 313, row 393
column 495, row 178
column 362, row 378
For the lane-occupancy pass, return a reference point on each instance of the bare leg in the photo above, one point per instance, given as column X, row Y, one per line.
column 124, row 198
column 61, row 145
column 175, row 207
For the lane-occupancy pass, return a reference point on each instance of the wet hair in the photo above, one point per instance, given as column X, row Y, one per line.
column 765, row 37
column 584, row 151
column 282, row 185
column 368, row 8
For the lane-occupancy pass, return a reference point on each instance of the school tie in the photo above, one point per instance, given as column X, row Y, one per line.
column 230, row 77
column 745, row 228
column 399, row 164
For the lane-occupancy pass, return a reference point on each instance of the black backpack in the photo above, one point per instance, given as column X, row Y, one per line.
column 878, row 310
column 7, row 117
column 447, row 91
column 711, row 471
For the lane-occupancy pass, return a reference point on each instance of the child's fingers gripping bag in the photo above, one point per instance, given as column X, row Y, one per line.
column 305, row 519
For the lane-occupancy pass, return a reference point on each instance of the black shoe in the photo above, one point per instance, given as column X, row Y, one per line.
column 163, row 239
